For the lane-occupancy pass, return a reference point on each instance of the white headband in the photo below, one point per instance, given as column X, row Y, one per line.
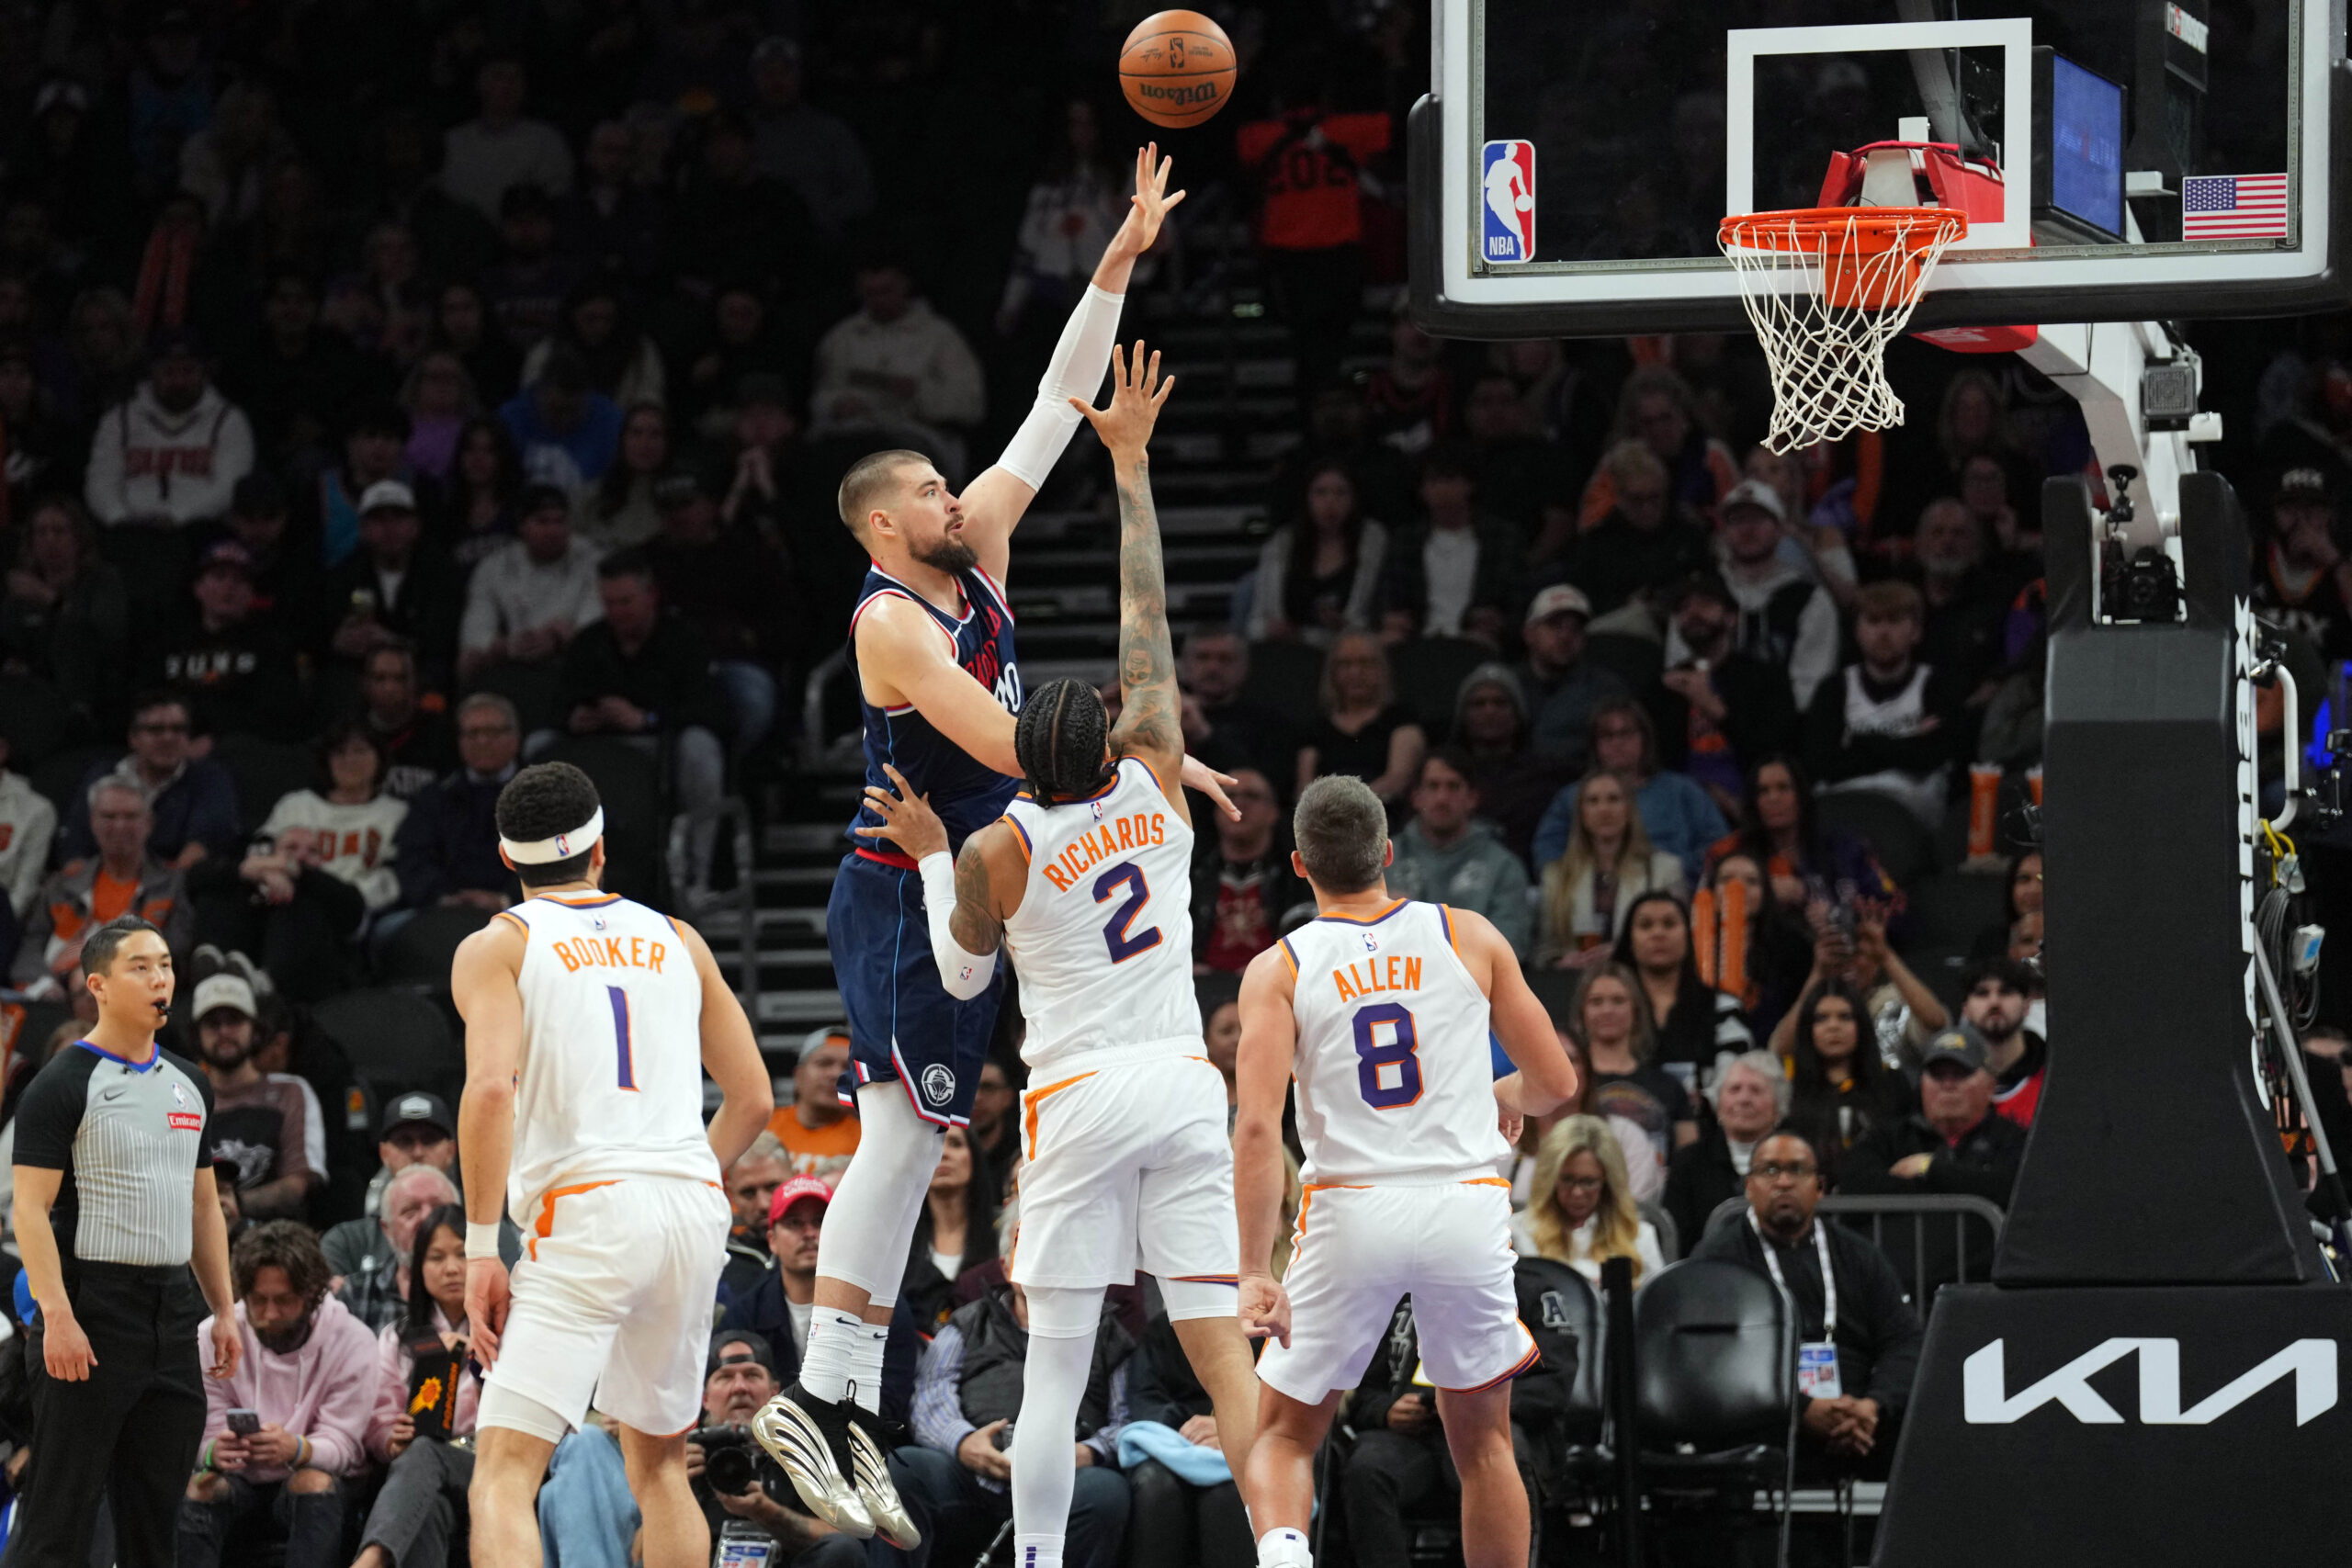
column 563, row 846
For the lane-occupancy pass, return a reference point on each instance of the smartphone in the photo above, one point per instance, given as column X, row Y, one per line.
column 244, row 1423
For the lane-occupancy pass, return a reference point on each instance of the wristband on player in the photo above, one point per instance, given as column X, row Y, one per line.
column 964, row 975
column 481, row 1241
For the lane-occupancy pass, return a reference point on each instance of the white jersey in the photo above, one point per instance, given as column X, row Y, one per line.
column 1103, row 941
column 610, row 1082
column 1396, row 1080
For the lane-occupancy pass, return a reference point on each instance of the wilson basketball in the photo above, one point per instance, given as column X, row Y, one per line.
column 1176, row 68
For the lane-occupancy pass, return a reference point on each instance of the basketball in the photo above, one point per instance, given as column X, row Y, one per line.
column 1176, row 68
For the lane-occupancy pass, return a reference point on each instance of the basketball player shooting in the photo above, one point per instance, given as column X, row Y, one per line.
column 590, row 1020
column 931, row 644
column 1381, row 1010
column 1086, row 882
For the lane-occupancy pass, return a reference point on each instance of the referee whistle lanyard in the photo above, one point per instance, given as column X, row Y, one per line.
column 1828, row 1276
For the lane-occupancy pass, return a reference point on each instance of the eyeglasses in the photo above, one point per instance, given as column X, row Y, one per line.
column 1772, row 1171
column 1584, row 1183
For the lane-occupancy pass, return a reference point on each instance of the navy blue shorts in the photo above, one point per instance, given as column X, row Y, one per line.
column 902, row 1023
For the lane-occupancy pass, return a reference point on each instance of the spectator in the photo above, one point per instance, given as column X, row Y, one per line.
column 525, row 288
column 220, row 163
column 1888, row 723
column 383, row 307
column 1697, row 1026
column 1457, row 572
column 1180, row 1520
column 393, row 588
column 740, row 1379
column 619, row 511
column 1339, row 429
column 234, row 661
column 1717, row 710
column 1957, row 1143
column 1521, row 476
column 283, row 567
column 814, row 1126
column 1562, row 684
column 297, row 380
column 780, row 1302
column 1973, row 421
column 566, row 430
column 445, row 850
column 815, row 154
column 438, row 397
column 1964, row 610
column 191, row 800
column 368, row 1255
column 898, row 370
column 1516, row 784
column 528, row 598
column 1641, row 544
column 1995, row 996
column 28, row 828
column 2304, row 587
column 1319, row 574
column 1609, row 1018
column 103, row 355
column 596, row 325
column 64, row 618
column 463, row 324
column 642, row 674
column 968, row 1390
column 483, row 500
column 1676, row 815
column 1444, row 855
column 1849, row 944
column 611, row 221
column 430, row 1461
column 1308, row 165
column 122, row 876
column 1656, row 407
column 751, row 1181
column 44, row 452
column 1851, row 1420
column 730, row 220
column 501, row 148
column 281, row 903
column 955, row 1231
column 1365, row 732
column 1750, row 1096
column 1589, row 892
column 1074, row 208
column 347, row 822
column 996, row 1130
column 733, row 586
column 374, row 449
column 1839, row 1086
column 743, row 340
column 1803, row 861
column 310, row 1371
column 1785, row 618
column 1221, row 726
column 415, row 738
column 1582, row 1214
column 260, row 1122
column 2024, row 897
column 171, row 455
column 1813, row 547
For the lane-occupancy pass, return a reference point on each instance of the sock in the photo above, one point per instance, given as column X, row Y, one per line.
column 1283, row 1548
column 831, row 1360
column 866, row 1341
column 1036, row 1551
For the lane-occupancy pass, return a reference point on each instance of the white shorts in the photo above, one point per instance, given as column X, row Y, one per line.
column 613, row 1302
column 1129, row 1167
column 1359, row 1248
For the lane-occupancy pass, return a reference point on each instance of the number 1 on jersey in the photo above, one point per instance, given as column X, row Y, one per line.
column 620, row 1037
column 1123, row 944
column 1388, row 1070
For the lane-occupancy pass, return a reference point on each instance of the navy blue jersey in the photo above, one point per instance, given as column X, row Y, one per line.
column 966, row 794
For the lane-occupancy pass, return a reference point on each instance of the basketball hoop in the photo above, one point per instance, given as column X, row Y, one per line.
column 1828, row 288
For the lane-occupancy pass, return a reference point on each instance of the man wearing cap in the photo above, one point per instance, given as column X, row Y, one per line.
column 1718, row 709
column 171, row 455
column 1562, row 685
column 233, row 660
column 780, row 1306
column 815, row 154
column 1785, row 618
column 814, row 1126
column 1957, row 1141
column 742, row 1376
column 1860, row 1339
column 260, row 1121
column 730, row 582
column 393, row 587
column 2304, row 583
column 526, row 598
column 123, row 876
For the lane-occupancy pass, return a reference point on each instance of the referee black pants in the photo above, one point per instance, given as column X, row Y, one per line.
column 131, row 1430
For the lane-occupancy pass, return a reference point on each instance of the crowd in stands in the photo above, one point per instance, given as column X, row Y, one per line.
column 390, row 395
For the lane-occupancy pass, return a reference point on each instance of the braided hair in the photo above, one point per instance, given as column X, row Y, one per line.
column 1061, row 739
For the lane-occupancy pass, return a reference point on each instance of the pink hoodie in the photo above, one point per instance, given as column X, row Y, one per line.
column 324, row 1392
column 392, row 1364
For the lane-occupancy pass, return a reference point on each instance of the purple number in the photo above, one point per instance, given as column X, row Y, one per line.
column 1398, row 1051
column 620, row 1036
column 1123, row 945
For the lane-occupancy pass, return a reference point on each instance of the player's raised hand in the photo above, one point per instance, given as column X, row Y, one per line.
column 488, row 1295
column 1150, row 204
column 1136, row 392
column 908, row 820
column 1264, row 1309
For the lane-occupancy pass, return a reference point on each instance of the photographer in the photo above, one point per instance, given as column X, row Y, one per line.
column 732, row 1480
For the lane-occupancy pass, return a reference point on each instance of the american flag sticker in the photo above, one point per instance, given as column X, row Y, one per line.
column 2233, row 207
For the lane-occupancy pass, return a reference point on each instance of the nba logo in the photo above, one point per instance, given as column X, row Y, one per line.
column 1508, row 234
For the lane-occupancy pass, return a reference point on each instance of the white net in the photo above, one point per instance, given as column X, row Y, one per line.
column 1827, row 295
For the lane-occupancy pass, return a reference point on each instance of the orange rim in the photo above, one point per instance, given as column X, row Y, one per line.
column 1873, row 230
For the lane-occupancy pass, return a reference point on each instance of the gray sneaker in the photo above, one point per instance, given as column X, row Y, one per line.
column 809, row 1439
column 869, row 1467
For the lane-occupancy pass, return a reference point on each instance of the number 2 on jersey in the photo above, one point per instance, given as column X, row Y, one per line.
column 1400, row 1051
column 620, row 1037
column 1123, row 945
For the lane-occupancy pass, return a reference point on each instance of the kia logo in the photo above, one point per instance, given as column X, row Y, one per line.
column 1985, row 1384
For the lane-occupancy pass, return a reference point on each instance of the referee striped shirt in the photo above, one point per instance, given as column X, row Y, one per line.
column 129, row 1138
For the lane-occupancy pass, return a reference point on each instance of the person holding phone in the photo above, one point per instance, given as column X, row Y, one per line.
column 114, row 1200
column 426, row 1393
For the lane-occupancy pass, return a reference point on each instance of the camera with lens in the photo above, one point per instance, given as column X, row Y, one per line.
column 2144, row 587
column 729, row 1460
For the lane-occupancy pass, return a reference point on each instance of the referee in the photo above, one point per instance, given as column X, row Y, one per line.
column 114, row 1197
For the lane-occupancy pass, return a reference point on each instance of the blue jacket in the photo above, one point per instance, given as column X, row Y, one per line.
column 589, row 446
column 448, row 841
column 1680, row 816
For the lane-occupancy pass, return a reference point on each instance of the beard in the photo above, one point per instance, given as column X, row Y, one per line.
column 286, row 1341
column 947, row 554
column 2001, row 1030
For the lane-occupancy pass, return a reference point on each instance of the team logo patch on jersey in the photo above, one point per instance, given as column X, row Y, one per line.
column 938, row 1084
column 1097, row 810
column 1371, row 942
column 179, row 1097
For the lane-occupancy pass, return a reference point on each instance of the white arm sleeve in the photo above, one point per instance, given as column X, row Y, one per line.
column 1075, row 371
column 964, row 975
